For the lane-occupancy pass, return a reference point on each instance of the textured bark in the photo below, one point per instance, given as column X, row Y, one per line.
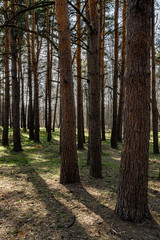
column 94, row 92
column 5, row 140
column 154, row 101
column 69, row 165
column 122, row 84
column 132, row 202
column 30, row 107
column 49, row 136
column 35, row 72
column 15, row 87
column 79, row 82
column 115, row 77
column 102, row 40
column 88, row 70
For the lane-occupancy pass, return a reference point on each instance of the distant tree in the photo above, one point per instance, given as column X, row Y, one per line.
column 154, row 100
column 132, row 202
column 69, row 165
column 30, row 107
column 115, row 77
column 15, row 84
column 123, row 66
column 79, row 80
column 35, row 73
column 5, row 140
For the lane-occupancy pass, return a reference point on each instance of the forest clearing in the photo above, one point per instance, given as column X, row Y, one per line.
column 34, row 205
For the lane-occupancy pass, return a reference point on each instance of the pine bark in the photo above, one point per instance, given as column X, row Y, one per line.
column 122, row 83
column 5, row 140
column 79, row 81
column 102, row 41
column 30, row 108
column 94, row 92
column 115, row 77
column 35, row 73
column 132, row 202
column 15, row 86
column 154, row 100
column 69, row 164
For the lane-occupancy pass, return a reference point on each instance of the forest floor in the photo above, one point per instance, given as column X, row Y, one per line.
column 35, row 206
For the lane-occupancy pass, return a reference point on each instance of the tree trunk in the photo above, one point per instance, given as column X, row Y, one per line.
column 94, row 92
column 115, row 77
column 5, row 141
column 79, row 82
column 49, row 136
column 35, row 72
column 132, row 202
column 122, row 85
column 154, row 101
column 23, row 115
column 69, row 164
column 30, row 108
column 55, row 108
column 15, row 86
column 102, row 40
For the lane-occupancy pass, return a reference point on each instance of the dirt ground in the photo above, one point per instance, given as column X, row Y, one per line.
column 35, row 206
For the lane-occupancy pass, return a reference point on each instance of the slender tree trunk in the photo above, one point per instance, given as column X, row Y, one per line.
column 15, row 87
column 89, row 71
column 69, row 164
column 115, row 77
column 23, row 115
column 5, row 140
column 30, row 108
column 55, row 108
column 79, row 82
column 94, row 92
column 122, row 85
column 36, row 91
column 132, row 202
column 49, row 136
column 102, row 40
column 154, row 101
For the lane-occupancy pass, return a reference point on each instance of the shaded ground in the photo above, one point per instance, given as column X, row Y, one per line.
column 33, row 205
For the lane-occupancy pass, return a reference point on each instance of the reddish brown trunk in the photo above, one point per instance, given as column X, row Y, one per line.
column 30, row 107
column 122, row 85
column 69, row 165
column 35, row 72
column 15, row 86
column 132, row 202
column 5, row 140
column 115, row 77
column 94, row 92
column 79, row 82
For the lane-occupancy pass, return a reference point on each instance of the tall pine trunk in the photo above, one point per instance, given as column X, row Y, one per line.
column 79, row 81
column 15, row 86
column 115, row 77
column 30, row 107
column 35, row 73
column 5, row 140
column 122, row 85
column 132, row 202
column 69, row 164
column 94, row 92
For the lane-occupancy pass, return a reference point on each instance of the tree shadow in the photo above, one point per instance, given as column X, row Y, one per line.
column 58, row 221
column 113, row 225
